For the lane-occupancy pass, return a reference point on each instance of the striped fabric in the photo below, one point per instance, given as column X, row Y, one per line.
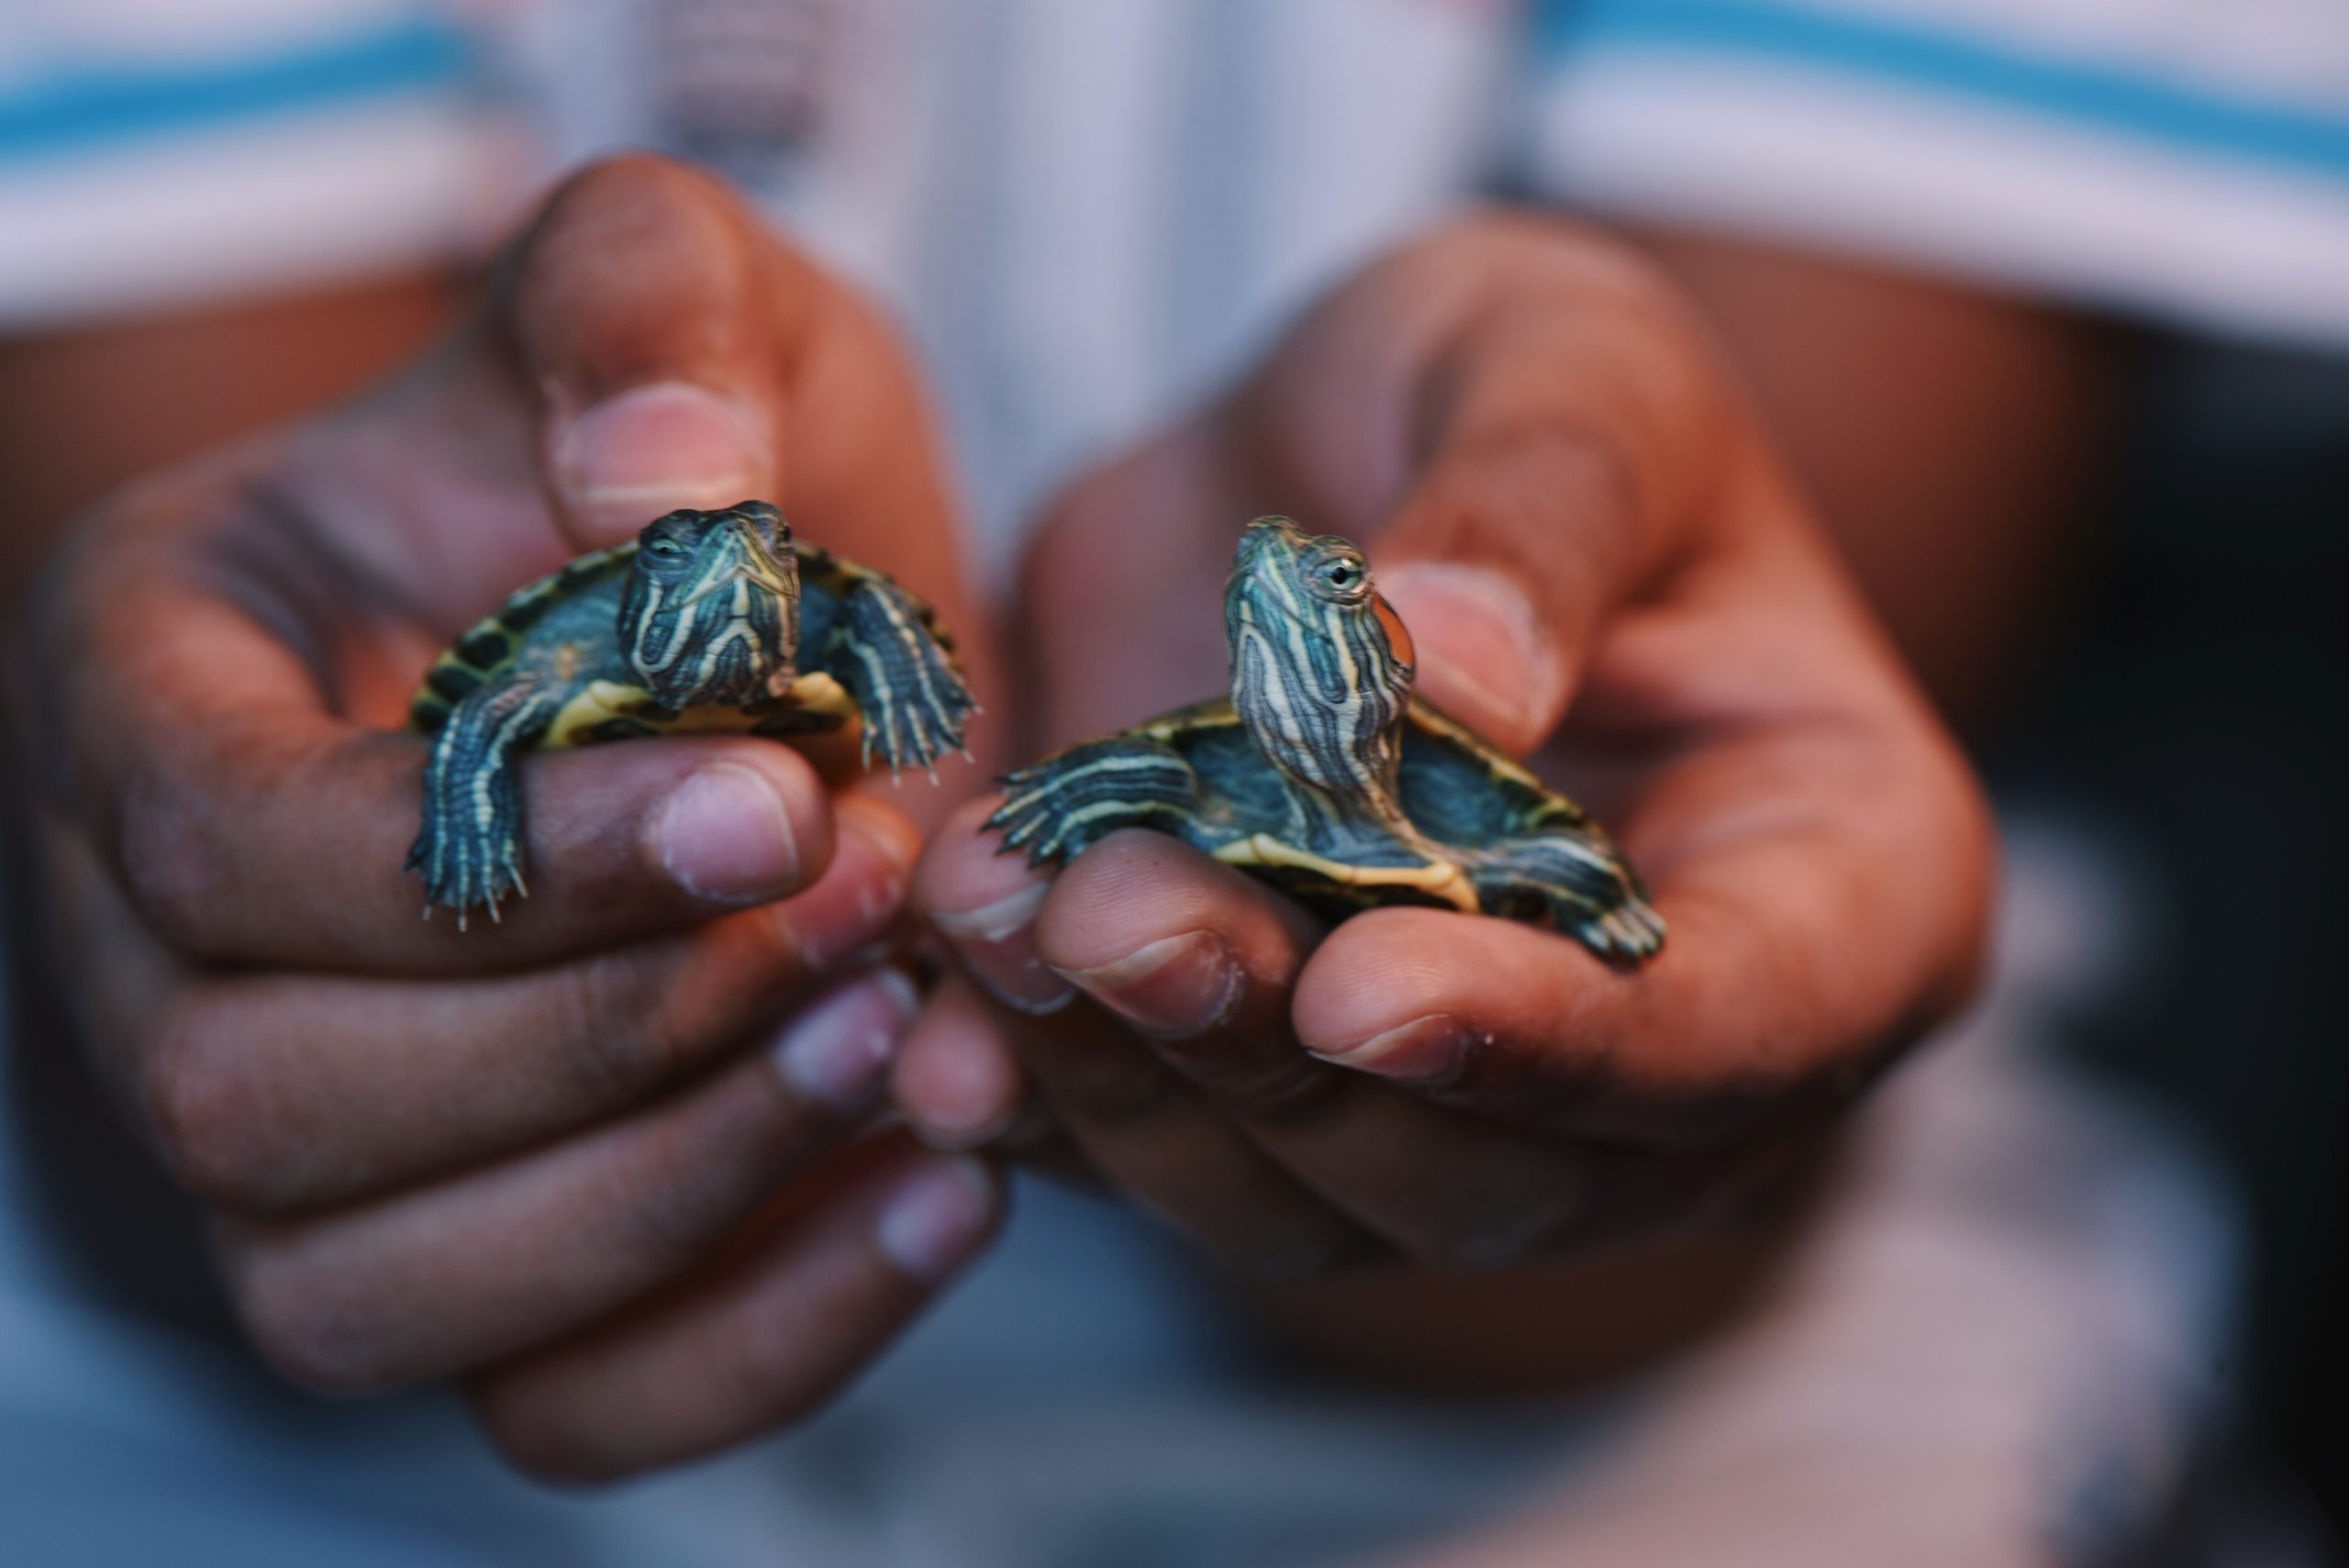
column 1090, row 213
column 2185, row 159
column 155, row 151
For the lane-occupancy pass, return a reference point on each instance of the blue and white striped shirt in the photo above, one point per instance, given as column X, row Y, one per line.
column 1088, row 212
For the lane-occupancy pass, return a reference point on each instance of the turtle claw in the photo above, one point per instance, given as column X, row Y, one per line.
column 1575, row 883
column 469, row 858
column 913, row 699
column 466, row 873
column 916, row 735
column 1060, row 806
column 1022, row 819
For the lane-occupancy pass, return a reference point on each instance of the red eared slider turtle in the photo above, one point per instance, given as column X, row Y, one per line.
column 1325, row 777
column 707, row 621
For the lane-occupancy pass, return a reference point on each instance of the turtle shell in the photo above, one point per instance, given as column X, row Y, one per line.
column 489, row 648
column 567, row 617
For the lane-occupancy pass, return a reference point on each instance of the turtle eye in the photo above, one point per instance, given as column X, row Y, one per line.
column 665, row 548
column 1340, row 577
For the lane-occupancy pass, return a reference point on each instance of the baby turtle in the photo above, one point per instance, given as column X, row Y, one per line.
column 707, row 621
column 1323, row 775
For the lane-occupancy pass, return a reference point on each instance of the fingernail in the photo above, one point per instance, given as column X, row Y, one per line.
column 1483, row 655
column 935, row 1218
column 997, row 944
column 1431, row 1050
column 1174, row 987
column 836, row 1052
column 858, row 898
column 725, row 835
column 650, row 450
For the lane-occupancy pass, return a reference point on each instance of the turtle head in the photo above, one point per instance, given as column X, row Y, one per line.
column 712, row 609
column 1320, row 664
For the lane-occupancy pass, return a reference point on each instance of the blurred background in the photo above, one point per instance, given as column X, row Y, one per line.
column 218, row 214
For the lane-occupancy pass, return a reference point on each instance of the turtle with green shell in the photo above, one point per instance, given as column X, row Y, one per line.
column 707, row 621
column 1325, row 777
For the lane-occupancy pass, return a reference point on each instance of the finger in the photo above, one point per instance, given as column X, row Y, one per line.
column 759, row 1342
column 644, row 307
column 686, row 356
column 248, row 825
column 484, row 1265
column 1141, row 1126
column 1201, row 959
column 1567, row 433
column 1823, row 892
column 957, row 1084
column 273, row 1092
column 682, row 354
column 956, row 1079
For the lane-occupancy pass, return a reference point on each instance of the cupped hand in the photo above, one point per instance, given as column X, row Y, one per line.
column 1605, row 569
column 570, row 1158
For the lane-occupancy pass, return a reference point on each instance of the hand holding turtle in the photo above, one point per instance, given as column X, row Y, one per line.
column 599, row 1161
column 1567, row 506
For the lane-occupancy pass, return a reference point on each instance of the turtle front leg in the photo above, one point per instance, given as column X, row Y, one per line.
column 912, row 698
column 469, row 848
column 1575, row 883
column 1064, row 803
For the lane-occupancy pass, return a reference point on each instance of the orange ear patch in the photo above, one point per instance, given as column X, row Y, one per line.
column 1398, row 637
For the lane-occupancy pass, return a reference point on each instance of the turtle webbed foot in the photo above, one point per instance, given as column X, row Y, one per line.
column 464, row 871
column 469, row 846
column 1030, row 818
column 1056, row 807
column 1575, row 884
column 913, row 699
column 914, row 728
column 1629, row 934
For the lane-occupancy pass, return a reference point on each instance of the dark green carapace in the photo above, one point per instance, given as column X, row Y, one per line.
column 708, row 621
column 1325, row 777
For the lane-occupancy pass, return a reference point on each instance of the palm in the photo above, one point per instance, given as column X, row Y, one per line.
column 1565, row 503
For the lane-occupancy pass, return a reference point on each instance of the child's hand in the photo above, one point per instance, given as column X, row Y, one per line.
column 1571, row 510
column 552, row 1155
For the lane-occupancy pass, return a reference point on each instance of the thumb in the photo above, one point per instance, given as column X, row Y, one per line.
column 1570, row 459
column 1503, row 561
column 1484, row 656
column 645, row 308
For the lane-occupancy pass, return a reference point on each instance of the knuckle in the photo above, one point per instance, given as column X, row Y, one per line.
column 164, row 870
column 300, row 1322
column 613, row 1011
column 211, row 1117
column 639, row 1017
column 672, row 1188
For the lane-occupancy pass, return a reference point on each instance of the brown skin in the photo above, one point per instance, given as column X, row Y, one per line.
column 1526, row 398
column 1674, row 515
column 1952, row 440
column 84, row 408
column 542, row 1158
